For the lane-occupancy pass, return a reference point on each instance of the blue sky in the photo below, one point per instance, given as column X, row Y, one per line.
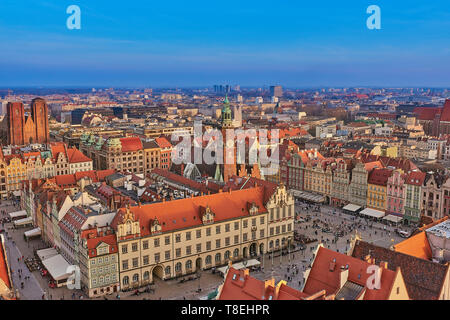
column 294, row 43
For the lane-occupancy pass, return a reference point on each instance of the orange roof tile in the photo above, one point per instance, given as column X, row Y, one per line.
column 131, row 144
column 416, row 246
column 76, row 156
column 186, row 213
column 326, row 272
column 163, row 143
column 239, row 285
column 4, row 270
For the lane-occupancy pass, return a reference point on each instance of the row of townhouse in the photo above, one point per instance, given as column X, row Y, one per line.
column 127, row 248
column 127, row 153
column 57, row 159
column 394, row 186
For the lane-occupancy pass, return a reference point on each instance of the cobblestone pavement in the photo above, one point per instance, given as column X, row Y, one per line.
column 281, row 267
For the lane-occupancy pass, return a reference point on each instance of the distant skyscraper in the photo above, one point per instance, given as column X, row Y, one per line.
column 222, row 88
column 276, row 91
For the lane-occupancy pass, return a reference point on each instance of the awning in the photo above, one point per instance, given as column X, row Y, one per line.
column 17, row 193
column 22, row 222
column 17, row 214
column 372, row 213
column 33, row 233
column 46, row 253
column 57, row 267
column 240, row 265
column 393, row 218
column 308, row 196
column 352, row 207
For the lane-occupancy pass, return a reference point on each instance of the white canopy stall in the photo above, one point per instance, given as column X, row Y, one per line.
column 372, row 213
column 392, row 218
column 32, row 233
column 17, row 214
column 351, row 207
column 23, row 222
column 44, row 254
column 240, row 265
column 57, row 266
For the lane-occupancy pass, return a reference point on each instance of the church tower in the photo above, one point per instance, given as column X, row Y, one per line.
column 39, row 114
column 15, row 122
column 229, row 169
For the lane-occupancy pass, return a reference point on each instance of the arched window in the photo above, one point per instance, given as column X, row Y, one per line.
column 135, row 277
column 167, row 271
column 125, row 280
column 189, row 265
column 178, row 267
column 218, row 258
column 208, row 260
column 271, row 244
column 277, row 243
column 146, row 275
column 235, row 253
column 227, row 255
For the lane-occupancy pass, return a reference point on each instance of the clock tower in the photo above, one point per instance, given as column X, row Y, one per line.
column 229, row 152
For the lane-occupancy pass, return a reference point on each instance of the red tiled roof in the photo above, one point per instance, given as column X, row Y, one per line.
column 423, row 279
column 131, row 144
column 180, row 179
column 94, row 239
column 416, row 246
column 445, row 115
column 426, row 113
column 4, row 272
column 239, row 285
column 186, row 213
column 239, row 183
column 163, row 143
column 416, row 178
column 66, row 180
column 379, row 176
column 57, row 148
column 326, row 269
column 76, row 156
column 372, row 165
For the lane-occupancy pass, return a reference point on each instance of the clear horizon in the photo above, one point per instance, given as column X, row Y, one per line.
column 199, row 44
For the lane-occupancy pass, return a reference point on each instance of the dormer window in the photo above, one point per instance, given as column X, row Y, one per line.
column 155, row 226
column 207, row 215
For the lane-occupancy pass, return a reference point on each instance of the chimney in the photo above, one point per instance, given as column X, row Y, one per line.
column 343, row 276
column 332, row 265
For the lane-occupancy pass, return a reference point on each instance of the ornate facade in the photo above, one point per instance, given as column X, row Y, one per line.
column 200, row 233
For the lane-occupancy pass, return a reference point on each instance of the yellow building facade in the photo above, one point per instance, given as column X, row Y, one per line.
column 213, row 230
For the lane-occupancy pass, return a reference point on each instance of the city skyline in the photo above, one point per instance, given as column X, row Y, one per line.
column 200, row 44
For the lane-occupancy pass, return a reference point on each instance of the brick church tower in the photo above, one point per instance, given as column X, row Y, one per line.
column 18, row 130
column 39, row 114
column 229, row 152
column 15, row 118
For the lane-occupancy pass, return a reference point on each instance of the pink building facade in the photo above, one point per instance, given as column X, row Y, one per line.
column 396, row 193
